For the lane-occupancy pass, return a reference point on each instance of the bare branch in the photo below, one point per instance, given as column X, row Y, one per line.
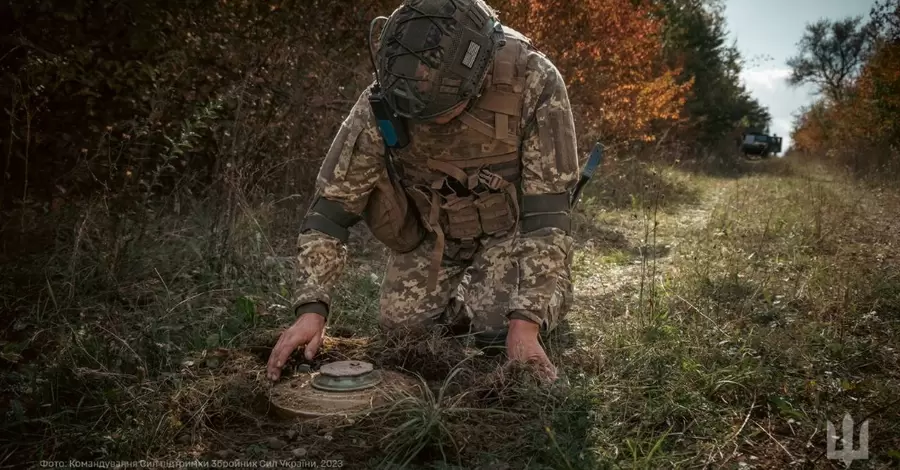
column 830, row 55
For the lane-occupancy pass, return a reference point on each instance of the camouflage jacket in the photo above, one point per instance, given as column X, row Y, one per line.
column 549, row 165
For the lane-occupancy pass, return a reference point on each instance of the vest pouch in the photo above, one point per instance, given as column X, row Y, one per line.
column 462, row 218
column 391, row 218
column 496, row 213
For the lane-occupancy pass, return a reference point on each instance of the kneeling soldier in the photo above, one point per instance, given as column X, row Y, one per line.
column 461, row 158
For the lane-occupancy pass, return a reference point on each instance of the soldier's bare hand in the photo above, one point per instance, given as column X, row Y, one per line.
column 522, row 345
column 307, row 332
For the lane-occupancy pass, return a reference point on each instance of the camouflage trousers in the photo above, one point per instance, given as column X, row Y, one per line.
column 475, row 287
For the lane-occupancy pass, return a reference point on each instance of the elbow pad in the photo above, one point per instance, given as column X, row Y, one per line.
column 546, row 210
column 330, row 218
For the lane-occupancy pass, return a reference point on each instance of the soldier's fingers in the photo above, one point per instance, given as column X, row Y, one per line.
column 550, row 372
column 313, row 346
column 291, row 342
column 547, row 370
column 274, row 372
column 273, row 355
column 283, row 351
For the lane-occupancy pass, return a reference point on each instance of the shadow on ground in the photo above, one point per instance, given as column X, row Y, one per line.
column 634, row 184
column 649, row 252
column 735, row 167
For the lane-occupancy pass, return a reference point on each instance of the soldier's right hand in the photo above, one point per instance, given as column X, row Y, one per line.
column 307, row 332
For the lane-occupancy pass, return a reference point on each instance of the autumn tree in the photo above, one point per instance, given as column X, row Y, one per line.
column 718, row 104
column 861, row 130
column 611, row 54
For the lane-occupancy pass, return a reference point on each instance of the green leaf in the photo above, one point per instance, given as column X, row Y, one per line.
column 785, row 408
column 246, row 308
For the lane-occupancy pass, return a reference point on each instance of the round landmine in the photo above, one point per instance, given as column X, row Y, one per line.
column 339, row 388
column 346, row 376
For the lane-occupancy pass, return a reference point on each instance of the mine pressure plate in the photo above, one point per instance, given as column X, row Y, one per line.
column 339, row 388
column 346, row 376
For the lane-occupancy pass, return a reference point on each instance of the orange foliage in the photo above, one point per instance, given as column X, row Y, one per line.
column 610, row 53
column 858, row 131
column 880, row 88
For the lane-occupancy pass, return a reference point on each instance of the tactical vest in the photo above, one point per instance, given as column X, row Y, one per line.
column 463, row 176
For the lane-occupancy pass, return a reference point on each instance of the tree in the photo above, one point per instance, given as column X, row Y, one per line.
column 611, row 55
column 696, row 38
column 885, row 22
column 860, row 130
column 831, row 54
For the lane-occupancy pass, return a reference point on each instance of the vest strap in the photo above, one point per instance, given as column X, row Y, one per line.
column 327, row 226
column 505, row 62
column 482, row 127
column 501, row 126
column 487, row 161
column 504, row 71
column 440, row 242
column 501, row 102
column 477, row 124
column 449, row 170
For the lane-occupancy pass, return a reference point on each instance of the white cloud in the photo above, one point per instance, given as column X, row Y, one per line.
column 768, row 79
column 782, row 126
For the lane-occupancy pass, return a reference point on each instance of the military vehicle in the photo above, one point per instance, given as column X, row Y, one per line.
column 760, row 144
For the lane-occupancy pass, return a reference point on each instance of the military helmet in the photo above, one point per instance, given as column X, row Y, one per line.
column 435, row 54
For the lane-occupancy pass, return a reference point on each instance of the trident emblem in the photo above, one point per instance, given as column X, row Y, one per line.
column 848, row 454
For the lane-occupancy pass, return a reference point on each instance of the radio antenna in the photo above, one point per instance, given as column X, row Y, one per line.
column 371, row 49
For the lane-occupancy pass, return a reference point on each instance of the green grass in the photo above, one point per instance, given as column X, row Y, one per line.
column 719, row 319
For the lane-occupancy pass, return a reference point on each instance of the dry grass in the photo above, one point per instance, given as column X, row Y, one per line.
column 721, row 318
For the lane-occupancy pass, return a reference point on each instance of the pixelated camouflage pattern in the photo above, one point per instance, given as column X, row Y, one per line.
column 477, row 290
column 525, row 274
column 549, row 151
column 407, row 304
column 348, row 175
column 354, row 161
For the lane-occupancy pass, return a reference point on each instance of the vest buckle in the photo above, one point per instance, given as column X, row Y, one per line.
column 492, row 180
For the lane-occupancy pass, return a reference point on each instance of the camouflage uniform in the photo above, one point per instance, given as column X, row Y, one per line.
column 481, row 282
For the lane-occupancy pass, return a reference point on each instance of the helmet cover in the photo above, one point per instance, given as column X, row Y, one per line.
column 435, row 54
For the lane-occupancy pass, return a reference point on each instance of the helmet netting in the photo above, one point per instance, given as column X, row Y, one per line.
column 414, row 69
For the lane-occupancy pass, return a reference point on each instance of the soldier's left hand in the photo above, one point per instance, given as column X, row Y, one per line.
column 523, row 345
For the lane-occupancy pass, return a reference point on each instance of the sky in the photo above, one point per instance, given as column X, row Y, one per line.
column 767, row 33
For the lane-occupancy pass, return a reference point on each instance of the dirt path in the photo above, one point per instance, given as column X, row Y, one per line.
column 607, row 275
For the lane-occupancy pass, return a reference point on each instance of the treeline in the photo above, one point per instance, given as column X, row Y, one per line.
column 133, row 99
column 854, row 64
